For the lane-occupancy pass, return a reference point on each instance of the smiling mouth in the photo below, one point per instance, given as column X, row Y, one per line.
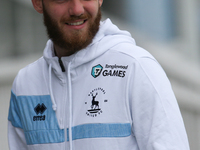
column 76, row 23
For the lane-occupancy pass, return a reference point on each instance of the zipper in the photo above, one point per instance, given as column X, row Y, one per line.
column 69, row 99
column 68, row 110
column 61, row 65
column 64, row 110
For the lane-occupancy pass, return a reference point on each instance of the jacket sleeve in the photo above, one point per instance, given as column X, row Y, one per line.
column 16, row 137
column 157, row 121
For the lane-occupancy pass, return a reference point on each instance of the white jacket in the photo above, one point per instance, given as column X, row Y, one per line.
column 113, row 95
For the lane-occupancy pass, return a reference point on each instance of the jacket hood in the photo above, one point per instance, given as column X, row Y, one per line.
column 108, row 36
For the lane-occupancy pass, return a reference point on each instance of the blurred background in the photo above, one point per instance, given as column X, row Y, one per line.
column 168, row 29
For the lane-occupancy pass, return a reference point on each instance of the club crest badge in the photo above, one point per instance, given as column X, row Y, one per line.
column 95, row 101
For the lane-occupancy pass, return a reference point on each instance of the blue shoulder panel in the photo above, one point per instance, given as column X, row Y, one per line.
column 34, row 114
column 13, row 115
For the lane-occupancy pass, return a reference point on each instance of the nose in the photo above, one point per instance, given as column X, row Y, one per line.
column 76, row 8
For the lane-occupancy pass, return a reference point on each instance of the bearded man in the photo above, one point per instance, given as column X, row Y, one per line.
column 93, row 89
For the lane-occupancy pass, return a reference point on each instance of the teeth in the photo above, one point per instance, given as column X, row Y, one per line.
column 76, row 23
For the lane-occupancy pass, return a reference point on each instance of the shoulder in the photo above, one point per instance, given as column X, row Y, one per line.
column 132, row 50
column 135, row 55
column 32, row 69
column 27, row 77
column 143, row 65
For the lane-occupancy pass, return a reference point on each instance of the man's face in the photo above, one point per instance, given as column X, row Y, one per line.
column 71, row 24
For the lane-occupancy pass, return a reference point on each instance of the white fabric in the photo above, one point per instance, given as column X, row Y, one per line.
column 138, row 93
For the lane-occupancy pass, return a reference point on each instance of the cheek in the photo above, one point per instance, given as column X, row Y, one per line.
column 57, row 12
column 92, row 8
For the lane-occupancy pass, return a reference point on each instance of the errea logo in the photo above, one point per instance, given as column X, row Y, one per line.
column 96, row 70
column 39, row 109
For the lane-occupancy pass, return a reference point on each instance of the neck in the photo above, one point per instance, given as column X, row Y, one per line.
column 61, row 52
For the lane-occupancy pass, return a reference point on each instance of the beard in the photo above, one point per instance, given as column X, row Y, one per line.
column 76, row 39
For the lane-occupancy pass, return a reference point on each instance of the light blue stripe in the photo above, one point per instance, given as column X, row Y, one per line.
column 100, row 131
column 44, row 136
column 14, row 115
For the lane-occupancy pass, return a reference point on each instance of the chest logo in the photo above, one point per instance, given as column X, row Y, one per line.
column 96, row 100
column 96, row 70
column 109, row 70
column 39, row 109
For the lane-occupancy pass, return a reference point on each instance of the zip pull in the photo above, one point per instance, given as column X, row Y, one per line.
column 61, row 65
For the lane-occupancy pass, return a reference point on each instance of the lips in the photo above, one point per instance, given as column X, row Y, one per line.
column 76, row 23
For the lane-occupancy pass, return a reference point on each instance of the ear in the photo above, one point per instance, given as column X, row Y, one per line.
column 37, row 4
column 100, row 2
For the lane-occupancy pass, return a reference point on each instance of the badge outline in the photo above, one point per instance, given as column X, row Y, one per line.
column 96, row 74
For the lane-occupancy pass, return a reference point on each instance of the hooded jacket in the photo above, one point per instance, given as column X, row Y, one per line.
column 112, row 95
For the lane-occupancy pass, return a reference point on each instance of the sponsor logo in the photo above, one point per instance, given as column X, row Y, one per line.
column 96, row 70
column 117, row 73
column 110, row 70
column 116, row 66
column 39, row 109
column 96, row 99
